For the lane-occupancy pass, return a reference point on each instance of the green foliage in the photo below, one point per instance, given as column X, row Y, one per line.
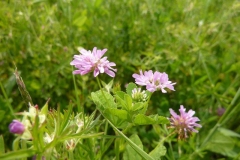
column 158, row 151
column 223, row 142
column 20, row 154
column 130, row 153
column 2, row 148
column 54, row 136
column 195, row 42
column 138, row 149
column 141, row 119
column 125, row 109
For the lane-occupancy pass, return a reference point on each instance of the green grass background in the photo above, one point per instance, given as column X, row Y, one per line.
column 196, row 42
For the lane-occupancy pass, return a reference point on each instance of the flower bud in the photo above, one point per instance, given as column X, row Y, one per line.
column 220, row 111
column 138, row 95
column 16, row 127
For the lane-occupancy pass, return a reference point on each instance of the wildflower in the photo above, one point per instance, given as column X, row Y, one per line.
column 220, row 111
column 89, row 61
column 184, row 123
column 21, row 128
column 28, row 120
column 153, row 81
column 16, row 127
column 139, row 95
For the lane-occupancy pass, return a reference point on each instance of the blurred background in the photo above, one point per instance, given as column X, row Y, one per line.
column 196, row 43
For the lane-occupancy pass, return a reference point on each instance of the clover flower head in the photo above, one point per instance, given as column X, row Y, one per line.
column 138, row 95
column 184, row 123
column 154, row 81
column 16, row 127
column 89, row 61
column 220, row 111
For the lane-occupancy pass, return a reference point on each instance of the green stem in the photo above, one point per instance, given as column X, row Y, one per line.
column 127, row 128
column 28, row 19
column 99, row 84
column 206, row 69
column 106, row 125
column 71, row 154
column 76, row 94
column 39, row 157
column 117, row 144
column 149, row 97
column 150, row 8
column 171, row 150
column 230, row 108
column 169, row 143
column 7, row 100
column 103, row 141
column 132, row 144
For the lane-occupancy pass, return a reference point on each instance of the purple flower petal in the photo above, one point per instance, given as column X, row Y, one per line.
column 89, row 61
column 16, row 127
column 153, row 81
column 184, row 123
